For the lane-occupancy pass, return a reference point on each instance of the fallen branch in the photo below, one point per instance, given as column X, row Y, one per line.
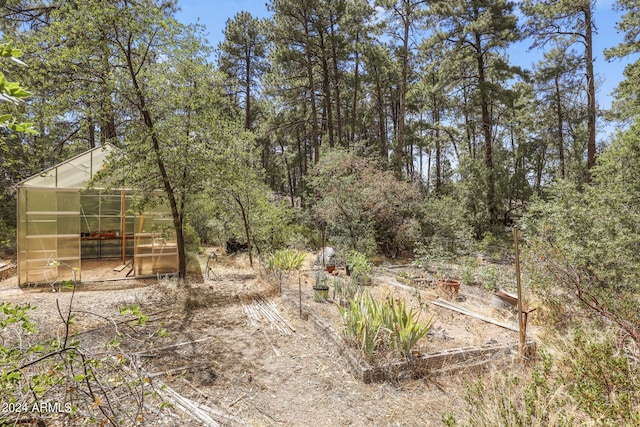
column 145, row 353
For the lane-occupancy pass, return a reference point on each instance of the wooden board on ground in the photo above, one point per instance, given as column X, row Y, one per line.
column 121, row 267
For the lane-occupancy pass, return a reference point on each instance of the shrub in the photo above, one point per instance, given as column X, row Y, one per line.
column 283, row 261
column 590, row 382
column 365, row 207
column 360, row 267
column 77, row 375
column 582, row 244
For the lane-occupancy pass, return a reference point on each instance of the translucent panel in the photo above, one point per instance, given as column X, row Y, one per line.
column 74, row 173
column 37, row 225
column 68, row 248
column 49, row 230
column 44, row 179
column 89, row 224
column 110, row 225
column 68, row 225
column 156, row 258
column 39, row 272
column 41, row 201
column 68, row 201
column 155, row 246
column 110, row 205
column 41, row 247
column 89, row 248
column 111, row 248
column 22, row 235
column 129, row 224
column 90, row 204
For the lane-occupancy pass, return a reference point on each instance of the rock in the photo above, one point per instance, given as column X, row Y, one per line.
column 329, row 253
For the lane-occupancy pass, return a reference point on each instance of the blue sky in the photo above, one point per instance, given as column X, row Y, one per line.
column 214, row 14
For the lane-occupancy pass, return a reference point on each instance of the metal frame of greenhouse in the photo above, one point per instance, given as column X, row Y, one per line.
column 61, row 222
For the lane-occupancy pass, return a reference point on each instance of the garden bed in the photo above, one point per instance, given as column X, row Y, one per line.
column 456, row 341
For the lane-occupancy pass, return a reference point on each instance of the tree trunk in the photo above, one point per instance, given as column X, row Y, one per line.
column 247, row 229
column 560, row 126
column 336, row 81
column 247, row 89
column 486, row 128
column 326, row 90
column 384, row 154
column 591, row 89
column 155, row 144
column 312, row 95
column 356, row 81
column 402, row 98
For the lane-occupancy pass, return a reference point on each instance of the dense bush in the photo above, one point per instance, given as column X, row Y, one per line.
column 583, row 247
column 365, row 208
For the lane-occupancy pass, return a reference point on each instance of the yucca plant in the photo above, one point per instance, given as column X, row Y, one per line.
column 374, row 326
column 363, row 324
column 406, row 331
column 283, row 261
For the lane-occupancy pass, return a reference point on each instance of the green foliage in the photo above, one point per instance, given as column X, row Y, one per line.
column 589, row 383
column 7, row 238
column 191, row 238
column 378, row 327
column 582, row 246
column 468, row 269
column 85, row 379
column 360, row 267
column 283, row 262
column 363, row 324
column 490, row 277
column 602, row 380
column 286, row 260
column 508, row 400
column 365, row 207
column 344, row 290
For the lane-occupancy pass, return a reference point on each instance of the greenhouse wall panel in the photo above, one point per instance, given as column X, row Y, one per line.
column 61, row 222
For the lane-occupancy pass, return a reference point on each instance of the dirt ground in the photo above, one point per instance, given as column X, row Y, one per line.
column 249, row 357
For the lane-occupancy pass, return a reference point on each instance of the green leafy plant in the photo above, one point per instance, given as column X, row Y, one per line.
column 343, row 290
column 284, row 261
column 405, row 330
column 360, row 266
column 363, row 324
column 83, row 382
column 602, row 379
column 490, row 277
column 468, row 270
column 378, row 327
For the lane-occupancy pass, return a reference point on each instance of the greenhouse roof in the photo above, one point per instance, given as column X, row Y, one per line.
column 73, row 173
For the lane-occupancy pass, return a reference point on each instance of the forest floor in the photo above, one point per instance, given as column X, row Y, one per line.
column 244, row 353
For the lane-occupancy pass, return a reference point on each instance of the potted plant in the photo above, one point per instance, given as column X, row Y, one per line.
column 320, row 287
column 450, row 287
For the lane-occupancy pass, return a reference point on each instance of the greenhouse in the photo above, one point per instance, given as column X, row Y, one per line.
column 65, row 229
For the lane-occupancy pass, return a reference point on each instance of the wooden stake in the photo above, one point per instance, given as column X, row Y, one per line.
column 300, row 295
column 521, row 327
